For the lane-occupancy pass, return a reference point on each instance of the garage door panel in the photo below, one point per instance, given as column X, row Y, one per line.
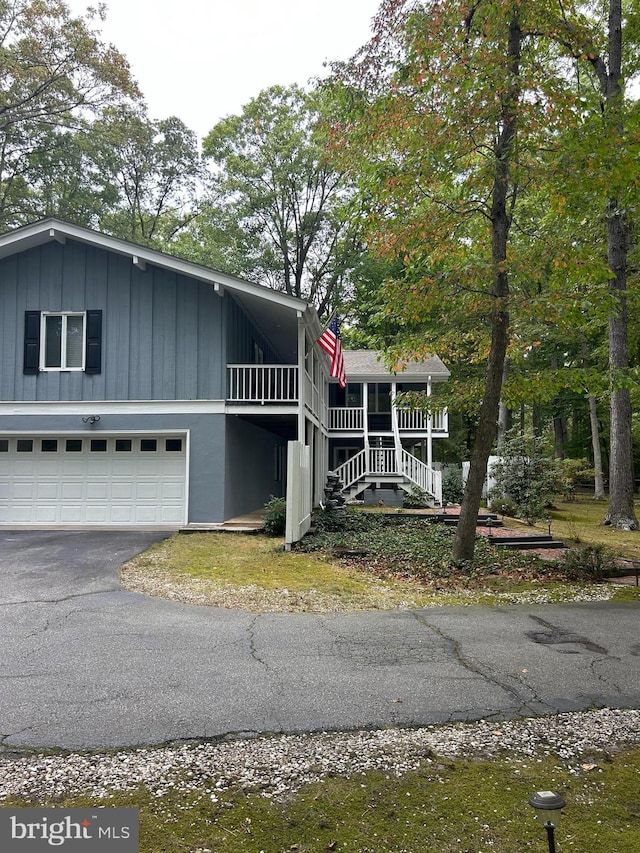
column 47, row 491
column 96, row 514
column 122, row 491
column 96, row 485
column 24, row 491
column 72, row 491
column 97, row 490
column 46, row 514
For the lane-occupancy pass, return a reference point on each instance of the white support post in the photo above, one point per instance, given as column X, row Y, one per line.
column 429, row 431
column 302, row 378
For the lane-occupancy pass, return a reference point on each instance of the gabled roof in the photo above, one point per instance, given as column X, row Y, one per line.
column 259, row 301
column 369, row 366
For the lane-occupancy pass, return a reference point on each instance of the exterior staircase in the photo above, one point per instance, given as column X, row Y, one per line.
column 386, row 462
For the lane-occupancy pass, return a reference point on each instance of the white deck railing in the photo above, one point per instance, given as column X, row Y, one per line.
column 342, row 420
column 352, row 419
column 418, row 421
column 262, row 383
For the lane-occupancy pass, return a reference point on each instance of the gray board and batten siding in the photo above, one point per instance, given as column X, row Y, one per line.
column 162, row 332
column 165, row 336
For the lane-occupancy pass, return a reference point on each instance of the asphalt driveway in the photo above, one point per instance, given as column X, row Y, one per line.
column 85, row 664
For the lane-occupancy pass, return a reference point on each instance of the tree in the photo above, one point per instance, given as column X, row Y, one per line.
column 621, row 512
column 454, row 114
column 594, row 36
column 155, row 166
column 276, row 206
column 55, row 72
column 443, row 125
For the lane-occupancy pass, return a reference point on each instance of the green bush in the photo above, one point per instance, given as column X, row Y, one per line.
column 588, row 563
column 504, row 507
column 453, row 488
column 275, row 518
column 416, row 498
column 525, row 476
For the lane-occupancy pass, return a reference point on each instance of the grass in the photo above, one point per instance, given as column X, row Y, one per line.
column 580, row 521
column 375, row 563
column 448, row 806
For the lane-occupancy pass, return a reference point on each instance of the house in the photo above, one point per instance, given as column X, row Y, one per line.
column 141, row 389
column 377, row 448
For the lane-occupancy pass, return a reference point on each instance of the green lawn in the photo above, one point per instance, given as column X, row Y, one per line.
column 372, row 564
column 580, row 521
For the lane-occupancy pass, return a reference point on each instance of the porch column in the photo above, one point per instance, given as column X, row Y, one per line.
column 302, row 377
column 429, row 430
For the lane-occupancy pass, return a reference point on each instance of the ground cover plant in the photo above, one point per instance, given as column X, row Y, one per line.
column 373, row 561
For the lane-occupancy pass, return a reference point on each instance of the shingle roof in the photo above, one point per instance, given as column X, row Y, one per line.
column 368, row 364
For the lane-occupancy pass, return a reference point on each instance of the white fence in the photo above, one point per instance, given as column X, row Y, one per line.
column 298, row 492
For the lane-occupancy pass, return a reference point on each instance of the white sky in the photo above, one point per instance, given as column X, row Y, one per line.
column 203, row 59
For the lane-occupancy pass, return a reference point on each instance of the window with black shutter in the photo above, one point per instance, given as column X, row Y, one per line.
column 63, row 340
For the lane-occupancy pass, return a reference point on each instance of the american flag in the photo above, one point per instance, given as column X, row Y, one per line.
column 331, row 343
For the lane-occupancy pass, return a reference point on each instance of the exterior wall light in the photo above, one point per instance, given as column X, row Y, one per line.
column 548, row 806
column 91, row 419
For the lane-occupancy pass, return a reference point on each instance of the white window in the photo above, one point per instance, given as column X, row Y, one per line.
column 64, row 341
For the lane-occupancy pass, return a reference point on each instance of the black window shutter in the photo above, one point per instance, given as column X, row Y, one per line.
column 31, row 342
column 93, row 362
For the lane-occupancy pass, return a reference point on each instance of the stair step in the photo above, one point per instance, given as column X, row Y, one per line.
column 520, row 543
column 452, row 520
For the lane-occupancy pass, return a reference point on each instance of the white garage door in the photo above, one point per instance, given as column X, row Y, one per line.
column 101, row 480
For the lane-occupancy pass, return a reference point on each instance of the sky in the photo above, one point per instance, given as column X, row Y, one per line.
column 204, row 59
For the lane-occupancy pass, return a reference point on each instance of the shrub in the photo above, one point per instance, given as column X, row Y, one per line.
column 452, row 488
column 416, row 498
column 525, row 476
column 589, row 562
column 504, row 506
column 275, row 518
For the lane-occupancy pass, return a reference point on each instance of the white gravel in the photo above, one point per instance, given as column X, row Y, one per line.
column 279, row 766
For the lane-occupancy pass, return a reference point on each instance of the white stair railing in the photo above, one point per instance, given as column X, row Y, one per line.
column 353, row 469
column 424, row 477
column 382, row 461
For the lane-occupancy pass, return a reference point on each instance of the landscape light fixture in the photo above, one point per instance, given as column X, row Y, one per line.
column 548, row 806
column 549, row 525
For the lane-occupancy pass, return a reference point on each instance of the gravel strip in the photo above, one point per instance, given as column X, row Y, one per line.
column 155, row 581
column 280, row 766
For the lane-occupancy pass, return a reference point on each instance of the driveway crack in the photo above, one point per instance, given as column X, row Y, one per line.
column 253, row 651
column 522, row 702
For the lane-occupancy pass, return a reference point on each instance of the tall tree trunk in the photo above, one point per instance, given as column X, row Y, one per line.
column 621, row 513
column 504, row 414
column 559, row 435
column 463, row 546
column 598, row 492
